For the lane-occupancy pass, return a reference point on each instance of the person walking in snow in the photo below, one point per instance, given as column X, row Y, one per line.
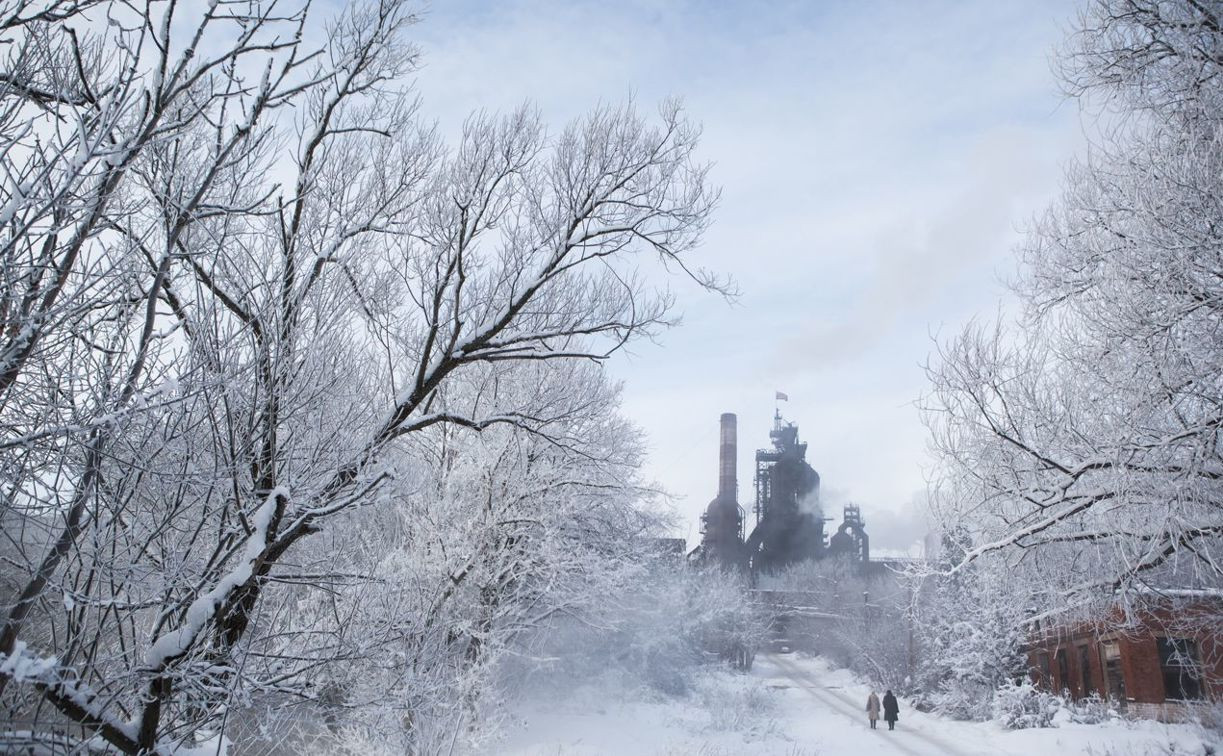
column 891, row 710
column 872, row 708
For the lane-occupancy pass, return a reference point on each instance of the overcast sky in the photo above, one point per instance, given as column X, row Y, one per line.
column 878, row 161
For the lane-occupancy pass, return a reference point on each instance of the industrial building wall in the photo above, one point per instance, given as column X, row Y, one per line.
column 1056, row 660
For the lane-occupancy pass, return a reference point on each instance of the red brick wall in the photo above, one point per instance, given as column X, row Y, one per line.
column 1139, row 659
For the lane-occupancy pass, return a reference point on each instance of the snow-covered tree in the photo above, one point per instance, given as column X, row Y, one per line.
column 1082, row 445
column 969, row 628
column 496, row 537
column 242, row 276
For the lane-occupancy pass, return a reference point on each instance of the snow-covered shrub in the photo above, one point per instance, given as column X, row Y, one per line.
column 733, row 702
column 651, row 637
column 1210, row 717
column 675, row 620
column 1018, row 706
column 654, row 642
column 1092, row 710
column 961, row 699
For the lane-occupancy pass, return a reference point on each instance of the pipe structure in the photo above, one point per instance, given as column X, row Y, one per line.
column 727, row 478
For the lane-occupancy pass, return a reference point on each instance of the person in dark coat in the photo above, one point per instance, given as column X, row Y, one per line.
column 891, row 710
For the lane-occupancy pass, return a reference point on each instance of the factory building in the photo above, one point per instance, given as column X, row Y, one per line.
column 789, row 520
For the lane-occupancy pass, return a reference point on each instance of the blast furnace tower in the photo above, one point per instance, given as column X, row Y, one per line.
column 789, row 521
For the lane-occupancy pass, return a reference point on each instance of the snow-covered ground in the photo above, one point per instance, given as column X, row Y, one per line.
column 796, row 706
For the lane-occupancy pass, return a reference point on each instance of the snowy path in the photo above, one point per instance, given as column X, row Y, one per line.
column 906, row 741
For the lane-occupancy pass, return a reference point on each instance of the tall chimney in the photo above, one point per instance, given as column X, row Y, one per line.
column 727, row 482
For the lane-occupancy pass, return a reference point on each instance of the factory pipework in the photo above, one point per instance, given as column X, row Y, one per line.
column 727, row 478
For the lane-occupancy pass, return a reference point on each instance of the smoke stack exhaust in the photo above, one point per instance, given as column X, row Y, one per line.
column 727, row 479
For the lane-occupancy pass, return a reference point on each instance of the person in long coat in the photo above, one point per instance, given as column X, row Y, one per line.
column 872, row 708
column 891, row 710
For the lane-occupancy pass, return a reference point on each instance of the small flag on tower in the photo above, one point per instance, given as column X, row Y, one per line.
column 782, row 397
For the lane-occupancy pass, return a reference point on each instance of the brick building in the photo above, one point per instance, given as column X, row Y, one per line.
column 1164, row 663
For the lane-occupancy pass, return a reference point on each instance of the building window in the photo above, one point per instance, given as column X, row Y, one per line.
column 1114, row 679
column 1042, row 663
column 1063, row 670
column 1181, row 668
column 1089, row 682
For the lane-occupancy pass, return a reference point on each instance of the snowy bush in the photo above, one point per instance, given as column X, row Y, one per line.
column 1210, row 717
column 1018, row 706
column 734, row 703
column 664, row 627
column 961, row 699
column 1092, row 710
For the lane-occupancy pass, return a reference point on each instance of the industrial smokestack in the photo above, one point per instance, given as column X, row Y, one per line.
column 727, row 480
